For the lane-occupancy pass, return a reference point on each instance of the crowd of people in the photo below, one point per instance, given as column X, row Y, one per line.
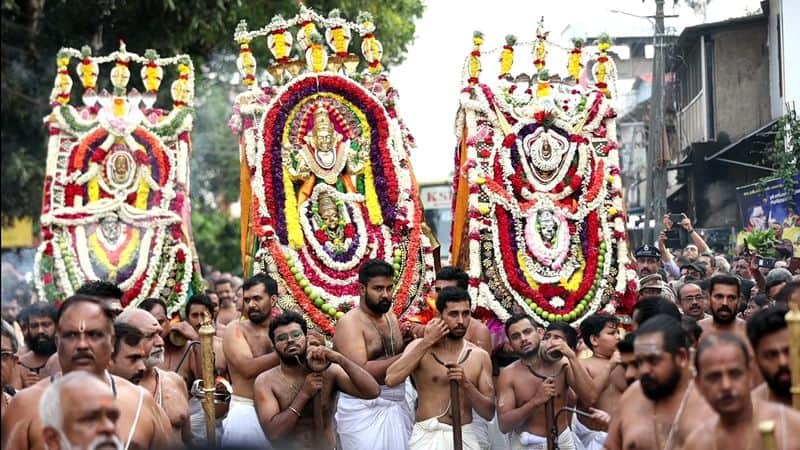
column 703, row 362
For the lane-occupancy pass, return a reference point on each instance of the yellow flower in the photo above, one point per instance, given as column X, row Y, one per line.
column 373, row 207
column 290, row 213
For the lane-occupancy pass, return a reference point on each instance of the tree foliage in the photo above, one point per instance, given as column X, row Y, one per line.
column 34, row 30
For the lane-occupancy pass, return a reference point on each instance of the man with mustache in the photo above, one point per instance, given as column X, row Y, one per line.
column 722, row 365
column 85, row 341
column 370, row 336
column 724, row 297
column 127, row 360
column 692, row 300
column 248, row 352
column 109, row 294
column 40, row 340
column 769, row 337
column 547, row 369
column 441, row 356
column 648, row 260
column 295, row 400
column 227, row 307
column 167, row 388
column 628, row 359
column 663, row 407
column 78, row 412
column 8, row 364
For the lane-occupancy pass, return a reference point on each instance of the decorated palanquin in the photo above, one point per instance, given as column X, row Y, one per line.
column 116, row 192
column 326, row 180
column 539, row 222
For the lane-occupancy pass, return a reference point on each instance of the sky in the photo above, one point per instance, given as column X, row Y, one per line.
column 430, row 78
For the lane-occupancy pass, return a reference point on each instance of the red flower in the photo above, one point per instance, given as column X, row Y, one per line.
column 176, row 232
column 349, row 231
column 47, row 278
column 180, row 256
column 48, row 248
column 321, row 236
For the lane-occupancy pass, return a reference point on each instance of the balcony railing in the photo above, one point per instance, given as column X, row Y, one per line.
column 692, row 122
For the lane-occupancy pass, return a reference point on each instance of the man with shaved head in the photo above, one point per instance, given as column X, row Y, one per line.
column 78, row 412
column 84, row 341
column 168, row 388
column 723, row 363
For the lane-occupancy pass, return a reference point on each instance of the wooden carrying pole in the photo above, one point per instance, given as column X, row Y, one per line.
column 209, row 387
column 455, row 409
column 793, row 322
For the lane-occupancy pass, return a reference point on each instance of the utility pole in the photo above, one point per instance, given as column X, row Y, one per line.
column 656, row 204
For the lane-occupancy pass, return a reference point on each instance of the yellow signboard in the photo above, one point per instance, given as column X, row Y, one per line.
column 18, row 234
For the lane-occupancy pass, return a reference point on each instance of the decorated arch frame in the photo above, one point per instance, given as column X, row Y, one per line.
column 116, row 192
column 539, row 218
column 326, row 179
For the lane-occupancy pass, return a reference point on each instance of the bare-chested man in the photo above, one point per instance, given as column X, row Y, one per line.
column 370, row 336
column 167, row 388
column 601, row 335
column 227, row 303
column 627, row 359
column 85, row 339
column 78, row 412
column 41, row 342
column 295, row 401
column 663, row 407
column 248, row 352
column 545, row 372
column 723, row 373
column 724, row 297
column 442, row 356
column 769, row 337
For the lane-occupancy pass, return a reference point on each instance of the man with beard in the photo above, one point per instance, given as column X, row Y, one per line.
column 370, row 336
column 295, row 400
column 227, row 307
column 663, row 408
column 78, row 412
column 692, row 300
column 8, row 364
column 769, row 337
column 648, row 260
column 442, row 356
column 40, row 340
column 627, row 359
column 546, row 371
column 722, row 365
column 168, row 388
column 248, row 352
column 724, row 298
column 85, row 340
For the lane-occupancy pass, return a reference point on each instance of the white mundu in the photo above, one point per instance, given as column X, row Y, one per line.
column 241, row 427
column 383, row 423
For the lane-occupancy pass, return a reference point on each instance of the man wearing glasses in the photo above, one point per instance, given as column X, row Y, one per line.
column 692, row 301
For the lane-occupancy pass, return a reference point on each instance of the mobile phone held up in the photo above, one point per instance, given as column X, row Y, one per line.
column 766, row 263
column 676, row 219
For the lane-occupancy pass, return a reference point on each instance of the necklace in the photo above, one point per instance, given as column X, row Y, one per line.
column 673, row 428
column 292, row 386
column 388, row 351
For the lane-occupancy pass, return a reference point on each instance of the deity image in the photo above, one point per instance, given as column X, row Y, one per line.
column 324, row 140
column 121, row 168
column 330, row 218
column 547, row 225
column 110, row 227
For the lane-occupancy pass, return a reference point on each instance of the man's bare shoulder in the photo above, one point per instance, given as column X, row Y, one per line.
column 174, row 380
column 265, row 379
column 633, row 394
column 351, row 320
column 476, row 350
column 760, row 392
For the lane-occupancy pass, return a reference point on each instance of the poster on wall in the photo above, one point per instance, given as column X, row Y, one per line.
column 762, row 206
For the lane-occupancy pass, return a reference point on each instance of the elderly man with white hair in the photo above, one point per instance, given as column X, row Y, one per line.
column 78, row 411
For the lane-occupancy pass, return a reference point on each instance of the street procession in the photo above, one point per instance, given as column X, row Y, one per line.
column 406, row 225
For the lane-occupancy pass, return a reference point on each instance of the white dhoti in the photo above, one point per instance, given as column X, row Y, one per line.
column 587, row 438
column 491, row 430
column 433, row 435
column 197, row 419
column 528, row 441
column 383, row 423
column 241, row 426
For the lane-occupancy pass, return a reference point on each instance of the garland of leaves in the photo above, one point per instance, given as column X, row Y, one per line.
column 784, row 156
